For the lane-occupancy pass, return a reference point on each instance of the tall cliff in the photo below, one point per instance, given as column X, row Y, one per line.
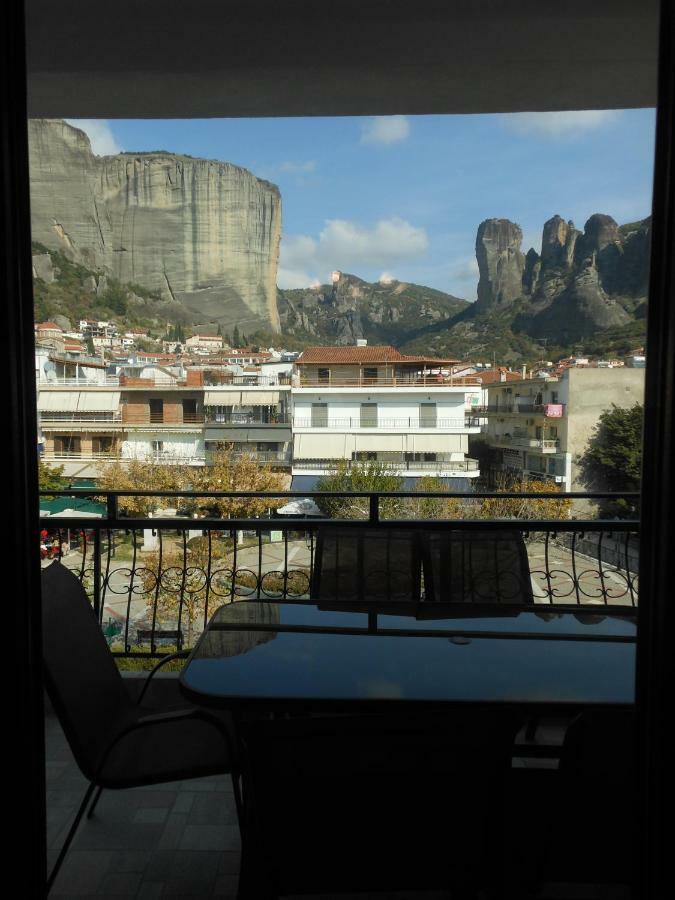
column 201, row 232
column 581, row 283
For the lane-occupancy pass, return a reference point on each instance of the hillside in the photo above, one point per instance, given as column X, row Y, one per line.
column 351, row 308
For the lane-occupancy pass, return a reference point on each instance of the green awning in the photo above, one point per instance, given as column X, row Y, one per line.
column 79, row 504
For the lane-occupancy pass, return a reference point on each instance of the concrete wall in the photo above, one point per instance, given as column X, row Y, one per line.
column 590, row 392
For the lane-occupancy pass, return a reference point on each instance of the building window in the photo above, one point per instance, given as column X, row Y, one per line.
column 324, row 376
column 368, row 415
column 427, row 415
column 102, row 444
column 67, row 445
column 157, row 446
column 156, row 411
column 189, row 410
column 370, row 374
column 319, row 415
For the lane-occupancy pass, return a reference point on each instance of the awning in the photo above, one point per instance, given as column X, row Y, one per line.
column 259, row 398
column 99, row 401
column 58, row 401
column 270, row 434
column 79, row 401
column 319, row 446
column 222, row 398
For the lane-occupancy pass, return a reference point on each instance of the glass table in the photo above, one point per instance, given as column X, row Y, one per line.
column 285, row 656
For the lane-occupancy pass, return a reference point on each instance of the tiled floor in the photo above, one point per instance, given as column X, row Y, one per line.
column 173, row 840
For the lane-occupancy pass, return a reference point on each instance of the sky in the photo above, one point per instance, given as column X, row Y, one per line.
column 401, row 197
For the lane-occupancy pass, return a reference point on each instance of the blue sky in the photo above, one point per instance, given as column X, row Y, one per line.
column 402, row 196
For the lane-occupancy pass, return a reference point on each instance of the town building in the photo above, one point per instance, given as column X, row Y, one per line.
column 538, row 427
column 362, row 403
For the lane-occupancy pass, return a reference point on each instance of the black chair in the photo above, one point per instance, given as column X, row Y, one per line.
column 366, row 565
column 118, row 742
column 476, row 566
column 397, row 801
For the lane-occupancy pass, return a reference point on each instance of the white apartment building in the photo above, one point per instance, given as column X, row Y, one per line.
column 373, row 403
column 538, row 427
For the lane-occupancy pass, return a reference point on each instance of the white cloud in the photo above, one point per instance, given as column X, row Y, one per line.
column 385, row 130
column 389, row 241
column 386, row 278
column 569, row 123
column 348, row 246
column 99, row 132
column 298, row 168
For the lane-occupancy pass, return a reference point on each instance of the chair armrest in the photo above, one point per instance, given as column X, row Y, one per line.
column 180, row 654
column 166, row 718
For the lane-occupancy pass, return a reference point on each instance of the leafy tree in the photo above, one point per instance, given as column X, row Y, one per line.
column 612, row 459
column 236, row 340
column 50, row 478
column 497, row 507
column 183, row 581
column 225, row 473
column 140, row 474
column 366, row 476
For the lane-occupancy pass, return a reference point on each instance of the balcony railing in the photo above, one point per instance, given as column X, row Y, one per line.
column 412, row 380
column 528, row 443
column 265, row 457
column 81, row 418
column 402, row 423
column 551, row 410
column 252, row 380
column 151, row 579
column 399, row 464
column 81, row 381
column 213, row 418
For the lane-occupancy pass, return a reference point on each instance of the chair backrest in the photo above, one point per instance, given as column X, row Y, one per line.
column 82, row 680
column 476, row 566
column 366, row 565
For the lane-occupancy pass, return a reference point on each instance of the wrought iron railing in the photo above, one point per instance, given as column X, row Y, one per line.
column 401, row 423
column 155, row 581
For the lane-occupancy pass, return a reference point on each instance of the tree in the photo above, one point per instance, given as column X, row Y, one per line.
column 228, row 472
column 525, row 508
column 225, row 473
column 50, row 478
column 374, row 476
column 236, row 340
column 175, row 585
column 612, row 460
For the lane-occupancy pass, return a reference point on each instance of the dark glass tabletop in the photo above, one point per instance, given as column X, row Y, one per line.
column 259, row 652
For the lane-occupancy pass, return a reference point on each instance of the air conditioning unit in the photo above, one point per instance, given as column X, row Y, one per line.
column 559, row 479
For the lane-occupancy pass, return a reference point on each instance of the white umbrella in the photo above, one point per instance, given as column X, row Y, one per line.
column 304, row 506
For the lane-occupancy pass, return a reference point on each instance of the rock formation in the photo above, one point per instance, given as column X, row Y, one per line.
column 200, row 232
column 500, row 263
column 581, row 283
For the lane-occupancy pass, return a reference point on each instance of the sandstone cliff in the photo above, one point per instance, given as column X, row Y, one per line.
column 203, row 233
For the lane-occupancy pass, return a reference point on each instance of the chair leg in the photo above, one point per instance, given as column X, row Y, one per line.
column 70, row 836
column 91, row 809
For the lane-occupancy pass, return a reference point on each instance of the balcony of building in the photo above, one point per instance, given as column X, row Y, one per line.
column 462, row 423
column 184, row 838
column 548, row 410
column 524, row 441
column 396, row 378
column 215, row 378
column 442, row 465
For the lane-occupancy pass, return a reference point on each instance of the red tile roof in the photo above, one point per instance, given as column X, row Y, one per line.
column 494, row 376
column 346, row 355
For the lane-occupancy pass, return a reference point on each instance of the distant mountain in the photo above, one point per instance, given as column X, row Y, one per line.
column 585, row 292
column 389, row 312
